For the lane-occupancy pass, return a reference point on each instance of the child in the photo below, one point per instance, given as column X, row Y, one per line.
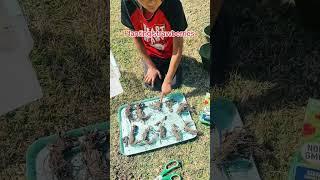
column 161, row 55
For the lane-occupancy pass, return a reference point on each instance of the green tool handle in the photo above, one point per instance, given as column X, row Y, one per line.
column 174, row 165
column 171, row 176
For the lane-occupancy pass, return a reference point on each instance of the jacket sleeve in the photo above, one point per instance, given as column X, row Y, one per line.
column 175, row 14
column 125, row 14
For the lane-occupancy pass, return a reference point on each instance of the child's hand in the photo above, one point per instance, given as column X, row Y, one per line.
column 151, row 76
column 166, row 88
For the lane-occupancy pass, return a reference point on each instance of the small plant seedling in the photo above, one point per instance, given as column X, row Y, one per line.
column 128, row 113
column 156, row 106
column 189, row 130
column 132, row 138
column 163, row 131
column 125, row 140
column 185, row 107
column 141, row 115
column 176, row 132
column 169, row 104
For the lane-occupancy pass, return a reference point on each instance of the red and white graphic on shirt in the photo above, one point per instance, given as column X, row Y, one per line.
column 156, row 42
column 155, row 46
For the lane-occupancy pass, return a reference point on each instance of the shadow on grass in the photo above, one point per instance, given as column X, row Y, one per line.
column 132, row 83
column 194, row 76
column 277, row 50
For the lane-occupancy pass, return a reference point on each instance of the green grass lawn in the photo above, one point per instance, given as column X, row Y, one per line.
column 71, row 65
column 195, row 154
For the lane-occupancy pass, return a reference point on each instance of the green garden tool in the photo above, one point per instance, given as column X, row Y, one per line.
column 170, row 166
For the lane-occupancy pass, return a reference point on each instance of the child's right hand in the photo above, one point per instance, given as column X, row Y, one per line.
column 151, row 75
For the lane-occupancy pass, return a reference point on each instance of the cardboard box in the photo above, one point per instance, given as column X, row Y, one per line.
column 306, row 163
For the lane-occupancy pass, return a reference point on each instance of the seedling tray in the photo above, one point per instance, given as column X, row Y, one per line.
column 236, row 170
column 155, row 116
column 38, row 148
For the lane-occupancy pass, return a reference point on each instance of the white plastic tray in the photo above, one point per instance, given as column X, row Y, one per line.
column 172, row 118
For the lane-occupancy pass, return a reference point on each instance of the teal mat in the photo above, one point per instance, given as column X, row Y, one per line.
column 37, row 146
column 172, row 118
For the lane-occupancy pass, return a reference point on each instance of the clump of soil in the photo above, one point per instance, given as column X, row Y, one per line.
column 239, row 143
column 92, row 149
column 60, row 167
